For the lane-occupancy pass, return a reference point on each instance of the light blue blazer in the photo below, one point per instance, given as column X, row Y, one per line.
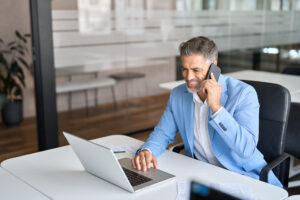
column 233, row 131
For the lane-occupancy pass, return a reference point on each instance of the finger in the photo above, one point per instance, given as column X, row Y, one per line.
column 212, row 76
column 133, row 163
column 204, row 88
column 148, row 160
column 203, row 85
column 154, row 161
column 137, row 162
column 143, row 162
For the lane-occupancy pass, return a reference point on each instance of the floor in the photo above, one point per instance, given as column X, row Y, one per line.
column 135, row 118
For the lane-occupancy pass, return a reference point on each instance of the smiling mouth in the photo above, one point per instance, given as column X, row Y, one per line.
column 192, row 84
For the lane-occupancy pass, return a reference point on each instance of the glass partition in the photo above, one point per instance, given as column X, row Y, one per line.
column 111, row 55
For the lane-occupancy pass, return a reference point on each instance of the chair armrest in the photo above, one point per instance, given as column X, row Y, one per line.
column 265, row 171
column 177, row 147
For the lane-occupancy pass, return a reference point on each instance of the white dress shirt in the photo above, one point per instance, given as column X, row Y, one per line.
column 202, row 144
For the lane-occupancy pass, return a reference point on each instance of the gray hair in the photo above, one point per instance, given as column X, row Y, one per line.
column 200, row 45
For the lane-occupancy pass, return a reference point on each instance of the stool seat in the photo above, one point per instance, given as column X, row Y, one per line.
column 127, row 76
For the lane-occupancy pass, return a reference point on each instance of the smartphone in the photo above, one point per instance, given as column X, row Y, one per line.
column 201, row 191
column 215, row 70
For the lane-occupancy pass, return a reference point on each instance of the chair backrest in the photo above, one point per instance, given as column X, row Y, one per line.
column 293, row 69
column 273, row 118
column 293, row 131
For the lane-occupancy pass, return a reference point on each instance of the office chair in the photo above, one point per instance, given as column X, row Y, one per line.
column 293, row 130
column 293, row 69
column 292, row 140
column 273, row 117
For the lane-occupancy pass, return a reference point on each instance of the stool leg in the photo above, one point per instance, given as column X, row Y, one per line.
column 96, row 97
column 86, row 102
column 146, row 91
column 114, row 97
column 70, row 94
column 70, row 100
column 96, row 92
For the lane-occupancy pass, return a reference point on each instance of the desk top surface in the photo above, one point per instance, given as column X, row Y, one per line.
column 13, row 188
column 291, row 82
column 59, row 174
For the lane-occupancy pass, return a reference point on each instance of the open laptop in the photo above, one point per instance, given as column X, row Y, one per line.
column 101, row 162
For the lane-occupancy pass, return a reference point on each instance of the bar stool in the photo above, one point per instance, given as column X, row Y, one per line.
column 126, row 76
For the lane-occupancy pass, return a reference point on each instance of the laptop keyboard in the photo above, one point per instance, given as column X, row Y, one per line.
column 135, row 178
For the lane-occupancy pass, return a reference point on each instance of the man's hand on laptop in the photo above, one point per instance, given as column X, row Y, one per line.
column 143, row 160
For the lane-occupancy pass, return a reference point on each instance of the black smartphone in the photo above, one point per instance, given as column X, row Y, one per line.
column 215, row 70
column 200, row 191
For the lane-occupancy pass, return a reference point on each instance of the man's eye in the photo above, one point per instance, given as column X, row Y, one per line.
column 183, row 69
column 196, row 70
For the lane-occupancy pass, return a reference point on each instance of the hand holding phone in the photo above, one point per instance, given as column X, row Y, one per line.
column 212, row 89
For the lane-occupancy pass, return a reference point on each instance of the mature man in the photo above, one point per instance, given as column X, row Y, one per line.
column 218, row 121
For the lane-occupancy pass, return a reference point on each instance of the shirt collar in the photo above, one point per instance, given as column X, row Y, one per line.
column 196, row 99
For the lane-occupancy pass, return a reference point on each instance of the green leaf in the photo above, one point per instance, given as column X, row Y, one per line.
column 18, row 35
column 18, row 91
column 27, row 35
column 11, row 43
column 3, row 60
column 23, row 62
column 21, row 52
column 10, row 83
column 3, row 71
column 13, row 48
column 14, row 68
column 20, row 75
column 22, row 47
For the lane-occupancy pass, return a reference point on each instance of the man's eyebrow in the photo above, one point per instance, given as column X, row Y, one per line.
column 192, row 68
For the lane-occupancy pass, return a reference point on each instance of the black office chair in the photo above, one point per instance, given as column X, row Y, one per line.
column 293, row 130
column 293, row 69
column 274, row 111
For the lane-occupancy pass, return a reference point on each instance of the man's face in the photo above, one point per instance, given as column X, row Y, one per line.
column 194, row 70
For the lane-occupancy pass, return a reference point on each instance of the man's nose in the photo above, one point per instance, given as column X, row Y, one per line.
column 190, row 75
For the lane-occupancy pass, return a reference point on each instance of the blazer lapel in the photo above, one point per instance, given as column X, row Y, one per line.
column 188, row 117
column 224, row 94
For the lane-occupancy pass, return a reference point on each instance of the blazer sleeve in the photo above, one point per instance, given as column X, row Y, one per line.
column 240, row 130
column 164, row 133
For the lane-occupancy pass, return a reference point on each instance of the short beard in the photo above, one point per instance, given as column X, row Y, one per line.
column 193, row 90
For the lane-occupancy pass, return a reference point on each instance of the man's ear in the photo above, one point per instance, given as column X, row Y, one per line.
column 215, row 62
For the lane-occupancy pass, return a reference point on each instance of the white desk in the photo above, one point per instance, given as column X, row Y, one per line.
column 13, row 188
column 59, row 174
column 291, row 82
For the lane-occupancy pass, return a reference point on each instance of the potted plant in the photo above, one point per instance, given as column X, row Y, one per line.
column 12, row 79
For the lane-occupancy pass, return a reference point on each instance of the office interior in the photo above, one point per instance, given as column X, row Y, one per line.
column 111, row 56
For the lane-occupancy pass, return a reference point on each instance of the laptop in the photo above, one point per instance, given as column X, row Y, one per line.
column 101, row 162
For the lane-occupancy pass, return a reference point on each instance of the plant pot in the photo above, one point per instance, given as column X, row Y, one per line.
column 2, row 101
column 12, row 113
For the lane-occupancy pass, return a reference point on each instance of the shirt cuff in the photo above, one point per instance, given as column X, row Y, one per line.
column 144, row 149
column 215, row 114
